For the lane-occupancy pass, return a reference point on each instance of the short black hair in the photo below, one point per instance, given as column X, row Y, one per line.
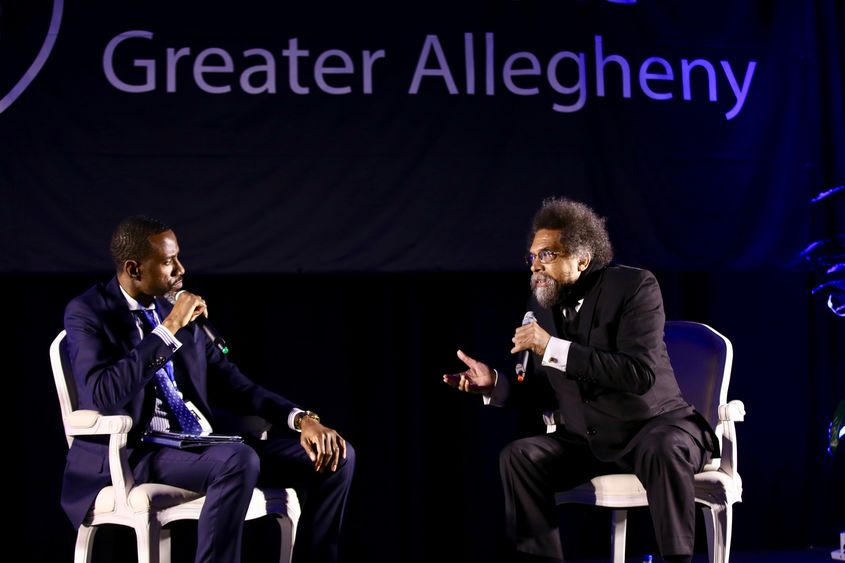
column 130, row 240
column 582, row 230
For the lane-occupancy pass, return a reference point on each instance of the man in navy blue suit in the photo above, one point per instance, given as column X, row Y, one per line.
column 120, row 334
column 602, row 375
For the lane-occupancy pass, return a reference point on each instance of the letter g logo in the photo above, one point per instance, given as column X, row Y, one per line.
column 18, row 86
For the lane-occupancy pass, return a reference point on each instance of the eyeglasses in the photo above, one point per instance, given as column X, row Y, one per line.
column 546, row 256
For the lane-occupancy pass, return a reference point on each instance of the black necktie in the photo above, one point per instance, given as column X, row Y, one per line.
column 567, row 315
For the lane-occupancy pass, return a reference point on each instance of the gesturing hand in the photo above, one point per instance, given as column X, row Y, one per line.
column 478, row 378
column 323, row 445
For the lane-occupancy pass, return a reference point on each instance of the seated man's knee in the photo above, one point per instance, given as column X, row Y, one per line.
column 671, row 446
column 519, row 452
column 347, row 463
column 243, row 460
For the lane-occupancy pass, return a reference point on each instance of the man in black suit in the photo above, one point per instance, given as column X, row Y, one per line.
column 602, row 372
column 124, row 338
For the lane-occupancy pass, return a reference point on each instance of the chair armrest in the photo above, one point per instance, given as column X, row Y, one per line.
column 729, row 414
column 87, row 422
column 733, row 411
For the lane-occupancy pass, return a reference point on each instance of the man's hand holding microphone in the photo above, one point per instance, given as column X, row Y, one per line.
column 187, row 307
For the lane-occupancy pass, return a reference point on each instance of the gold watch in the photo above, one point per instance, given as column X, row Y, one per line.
column 297, row 420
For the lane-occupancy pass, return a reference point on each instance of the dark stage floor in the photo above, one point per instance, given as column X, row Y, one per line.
column 812, row 555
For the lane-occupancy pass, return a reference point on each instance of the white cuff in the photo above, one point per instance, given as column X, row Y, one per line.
column 487, row 397
column 291, row 416
column 171, row 341
column 556, row 354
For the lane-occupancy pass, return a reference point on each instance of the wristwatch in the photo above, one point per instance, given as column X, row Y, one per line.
column 297, row 419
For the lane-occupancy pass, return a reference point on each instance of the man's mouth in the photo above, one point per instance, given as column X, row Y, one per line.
column 540, row 281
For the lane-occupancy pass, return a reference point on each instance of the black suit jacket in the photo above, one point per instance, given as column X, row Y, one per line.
column 618, row 380
column 114, row 370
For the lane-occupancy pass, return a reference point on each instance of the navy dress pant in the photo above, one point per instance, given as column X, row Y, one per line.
column 227, row 474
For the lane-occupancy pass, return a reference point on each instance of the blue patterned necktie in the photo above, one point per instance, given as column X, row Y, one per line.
column 166, row 386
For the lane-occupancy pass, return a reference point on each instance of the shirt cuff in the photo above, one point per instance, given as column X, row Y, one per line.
column 291, row 416
column 557, row 352
column 171, row 341
column 487, row 397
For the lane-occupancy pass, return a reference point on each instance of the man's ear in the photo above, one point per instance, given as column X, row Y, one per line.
column 132, row 269
column 583, row 262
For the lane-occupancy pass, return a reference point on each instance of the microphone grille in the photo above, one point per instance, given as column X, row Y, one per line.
column 172, row 296
column 529, row 318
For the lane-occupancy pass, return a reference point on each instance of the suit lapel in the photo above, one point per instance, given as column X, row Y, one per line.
column 545, row 319
column 185, row 356
column 124, row 332
column 187, row 362
column 586, row 314
column 122, row 318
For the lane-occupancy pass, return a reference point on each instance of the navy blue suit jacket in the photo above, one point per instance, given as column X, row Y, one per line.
column 114, row 370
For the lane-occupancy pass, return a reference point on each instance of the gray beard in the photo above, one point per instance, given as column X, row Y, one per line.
column 547, row 296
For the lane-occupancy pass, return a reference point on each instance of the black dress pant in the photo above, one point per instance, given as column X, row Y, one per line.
column 533, row 469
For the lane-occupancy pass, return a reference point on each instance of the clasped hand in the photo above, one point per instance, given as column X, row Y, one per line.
column 323, row 445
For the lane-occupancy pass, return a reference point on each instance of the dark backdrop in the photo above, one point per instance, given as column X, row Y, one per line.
column 349, row 243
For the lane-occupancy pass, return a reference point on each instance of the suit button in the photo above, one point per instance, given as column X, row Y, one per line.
column 585, row 401
column 591, row 431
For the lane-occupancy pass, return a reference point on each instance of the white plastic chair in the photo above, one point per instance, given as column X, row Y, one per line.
column 701, row 358
column 147, row 507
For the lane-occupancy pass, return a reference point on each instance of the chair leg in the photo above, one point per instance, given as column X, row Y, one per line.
column 718, row 521
column 286, row 539
column 618, row 532
column 147, row 541
column 292, row 510
column 84, row 544
column 163, row 545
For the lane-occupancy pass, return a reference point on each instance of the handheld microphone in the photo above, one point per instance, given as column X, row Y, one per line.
column 206, row 326
column 523, row 356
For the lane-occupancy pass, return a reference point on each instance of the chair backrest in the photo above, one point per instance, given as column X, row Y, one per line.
column 702, row 359
column 63, row 377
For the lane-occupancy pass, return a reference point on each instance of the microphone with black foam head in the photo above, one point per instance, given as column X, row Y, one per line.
column 523, row 356
column 206, row 326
